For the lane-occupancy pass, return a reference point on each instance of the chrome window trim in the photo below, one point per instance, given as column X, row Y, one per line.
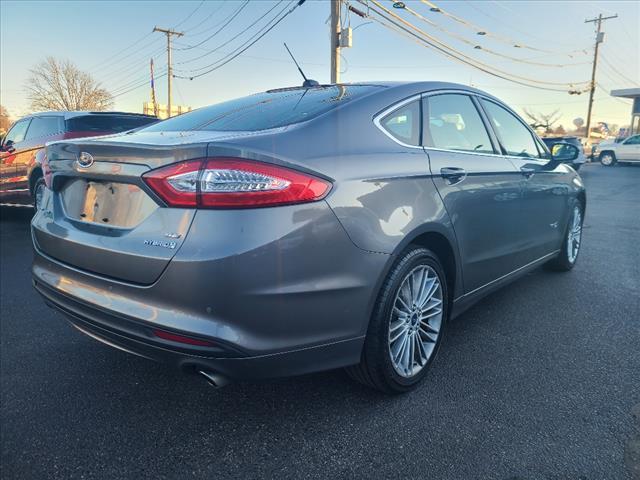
column 378, row 118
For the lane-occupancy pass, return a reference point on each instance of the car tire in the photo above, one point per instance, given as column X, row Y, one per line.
column 571, row 243
column 607, row 158
column 37, row 191
column 413, row 328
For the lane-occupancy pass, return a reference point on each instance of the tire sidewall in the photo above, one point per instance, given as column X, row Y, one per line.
column 565, row 247
column 613, row 159
column 418, row 256
column 38, row 184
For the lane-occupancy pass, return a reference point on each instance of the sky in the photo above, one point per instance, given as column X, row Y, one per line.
column 113, row 41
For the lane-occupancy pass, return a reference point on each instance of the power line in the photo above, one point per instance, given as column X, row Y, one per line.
column 189, row 16
column 477, row 46
column 206, row 19
column 239, row 34
column 216, row 65
column 615, row 70
column 483, row 32
column 120, row 51
column 455, row 54
column 227, row 22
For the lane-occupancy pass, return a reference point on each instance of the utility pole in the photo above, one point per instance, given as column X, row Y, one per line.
column 335, row 29
column 153, row 92
column 168, row 32
column 599, row 39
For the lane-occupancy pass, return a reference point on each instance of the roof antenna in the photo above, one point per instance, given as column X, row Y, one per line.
column 307, row 82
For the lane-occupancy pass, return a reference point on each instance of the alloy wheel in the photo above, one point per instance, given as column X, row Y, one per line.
column 606, row 159
column 574, row 235
column 38, row 195
column 416, row 320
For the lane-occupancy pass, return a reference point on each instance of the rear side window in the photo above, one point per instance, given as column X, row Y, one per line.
column 262, row 111
column 454, row 123
column 42, row 127
column 404, row 123
column 107, row 123
column 515, row 137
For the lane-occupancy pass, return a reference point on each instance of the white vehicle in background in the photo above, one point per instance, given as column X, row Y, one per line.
column 628, row 150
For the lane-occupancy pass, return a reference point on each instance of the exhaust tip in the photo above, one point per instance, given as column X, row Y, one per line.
column 215, row 379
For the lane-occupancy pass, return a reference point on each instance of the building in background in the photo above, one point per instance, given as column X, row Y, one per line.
column 634, row 94
column 147, row 109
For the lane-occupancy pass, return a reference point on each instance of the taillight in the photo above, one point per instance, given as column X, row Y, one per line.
column 46, row 170
column 233, row 183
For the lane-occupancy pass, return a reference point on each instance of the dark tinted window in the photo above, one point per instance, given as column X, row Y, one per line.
column 264, row 110
column 107, row 123
column 17, row 132
column 635, row 140
column 42, row 127
column 514, row 135
column 404, row 123
column 455, row 124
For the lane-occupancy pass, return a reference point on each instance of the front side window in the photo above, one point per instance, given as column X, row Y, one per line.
column 17, row 132
column 515, row 137
column 635, row 140
column 455, row 124
column 404, row 123
column 44, row 127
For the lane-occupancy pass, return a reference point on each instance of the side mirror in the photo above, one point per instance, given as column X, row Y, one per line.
column 564, row 152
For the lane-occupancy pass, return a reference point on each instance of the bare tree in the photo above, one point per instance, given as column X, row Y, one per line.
column 5, row 121
column 541, row 120
column 59, row 85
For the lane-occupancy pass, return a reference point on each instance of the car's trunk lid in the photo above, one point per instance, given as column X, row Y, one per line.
column 102, row 218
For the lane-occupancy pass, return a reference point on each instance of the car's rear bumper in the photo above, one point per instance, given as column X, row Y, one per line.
column 296, row 303
column 99, row 326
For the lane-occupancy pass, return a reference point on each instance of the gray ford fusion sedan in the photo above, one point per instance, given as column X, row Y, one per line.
column 302, row 229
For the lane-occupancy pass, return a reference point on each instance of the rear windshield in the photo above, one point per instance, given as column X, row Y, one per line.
column 276, row 108
column 107, row 123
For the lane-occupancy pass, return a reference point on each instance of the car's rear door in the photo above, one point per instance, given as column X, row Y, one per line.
column 481, row 189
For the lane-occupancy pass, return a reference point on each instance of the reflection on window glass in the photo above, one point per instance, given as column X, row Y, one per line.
column 262, row 111
column 515, row 137
column 17, row 132
column 455, row 124
column 404, row 123
column 44, row 126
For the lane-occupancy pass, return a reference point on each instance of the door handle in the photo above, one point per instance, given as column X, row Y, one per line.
column 527, row 172
column 453, row 174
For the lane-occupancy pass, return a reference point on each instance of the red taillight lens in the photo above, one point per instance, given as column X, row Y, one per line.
column 173, row 337
column 233, row 183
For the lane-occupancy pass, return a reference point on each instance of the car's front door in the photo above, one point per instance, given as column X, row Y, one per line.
column 12, row 147
column 545, row 192
column 481, row 189
column 629, row 149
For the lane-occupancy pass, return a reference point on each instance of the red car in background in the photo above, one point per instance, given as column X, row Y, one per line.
column 22, row 148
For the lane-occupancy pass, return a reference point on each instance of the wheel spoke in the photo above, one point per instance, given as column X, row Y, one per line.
column 398, row 334
column 428, row 336
column 415, row 322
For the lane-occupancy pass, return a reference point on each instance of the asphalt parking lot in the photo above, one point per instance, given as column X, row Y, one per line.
column 541, row 380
